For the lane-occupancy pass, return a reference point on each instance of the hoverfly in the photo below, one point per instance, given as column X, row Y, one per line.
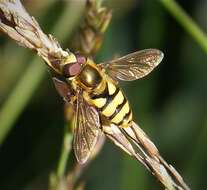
column 91, row 89
column 97, row 100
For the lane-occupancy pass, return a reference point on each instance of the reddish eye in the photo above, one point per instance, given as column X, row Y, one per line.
column 71, row 69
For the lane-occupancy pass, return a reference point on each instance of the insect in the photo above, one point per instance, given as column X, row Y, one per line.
column 97, row 100
column 92, row 89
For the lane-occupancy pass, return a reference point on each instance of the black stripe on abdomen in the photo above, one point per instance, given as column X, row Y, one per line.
column 126, row 118
column 118, row 109
column 105, row 94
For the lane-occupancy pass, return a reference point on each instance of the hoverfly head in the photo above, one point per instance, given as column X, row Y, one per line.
column 73, row 65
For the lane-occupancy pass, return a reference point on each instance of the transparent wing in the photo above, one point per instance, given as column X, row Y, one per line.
column 133, row 66
column 87, row 130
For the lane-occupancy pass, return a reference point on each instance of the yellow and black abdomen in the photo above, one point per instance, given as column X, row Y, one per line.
column 113, row 105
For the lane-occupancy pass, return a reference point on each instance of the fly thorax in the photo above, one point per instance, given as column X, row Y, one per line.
column 90, row 78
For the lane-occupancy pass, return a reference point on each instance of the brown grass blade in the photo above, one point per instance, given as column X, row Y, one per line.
column 137, row 144
column 24, row 29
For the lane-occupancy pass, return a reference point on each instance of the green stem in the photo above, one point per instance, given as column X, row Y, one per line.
column 66, row 148
column 187, row 22
column 33, row 75
column 20, row 96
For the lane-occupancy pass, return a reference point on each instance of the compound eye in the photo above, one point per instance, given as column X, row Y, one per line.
column 71, row 69
column 74, row 68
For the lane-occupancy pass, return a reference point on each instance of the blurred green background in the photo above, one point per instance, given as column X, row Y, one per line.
column 170, row 104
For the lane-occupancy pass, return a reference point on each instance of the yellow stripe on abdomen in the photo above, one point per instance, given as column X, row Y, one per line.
column 99, row 102
column 120, row 115
column 111, row 88
column 111, row 107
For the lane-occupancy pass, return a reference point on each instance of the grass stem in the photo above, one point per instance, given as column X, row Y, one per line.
column 186, row 22
column 66, row 148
